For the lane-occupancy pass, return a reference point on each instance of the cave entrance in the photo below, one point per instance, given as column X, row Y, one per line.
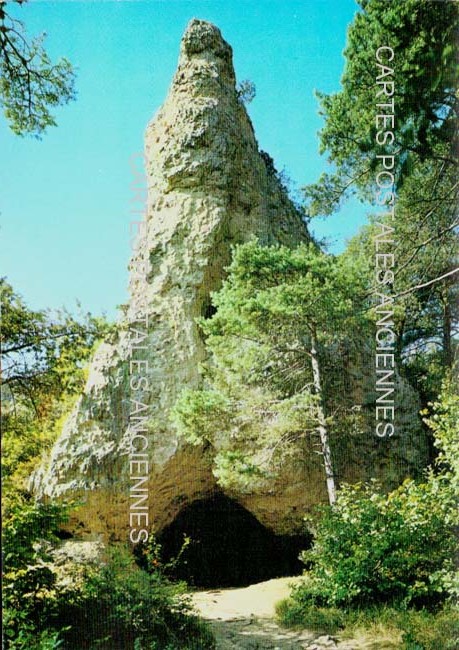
column 229, row 546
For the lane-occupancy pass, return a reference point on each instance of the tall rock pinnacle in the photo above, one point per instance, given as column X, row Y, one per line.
column 209, row 188
column 208, row 184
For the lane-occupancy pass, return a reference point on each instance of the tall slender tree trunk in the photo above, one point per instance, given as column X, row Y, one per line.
column 323, row 431
column 447, row 348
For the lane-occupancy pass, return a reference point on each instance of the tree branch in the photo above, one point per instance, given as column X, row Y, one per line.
column 426, row 284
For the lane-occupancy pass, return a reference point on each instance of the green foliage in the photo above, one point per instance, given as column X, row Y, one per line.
column 42, row 350
column 378, row 557
column 423, row 235
column 426, row 631
column 149, row 556
column 423, row 40
column 29, row 579
column 260, row 399
column 25, row 524
column 444, row 422
column 120, row 605
column 371, row 547
column 424, row 240
column 197, row 412
column 112, row 605
column 31, row 85
column 269, row 284
column 324, row 620
column 377, row 626
column 26, row 636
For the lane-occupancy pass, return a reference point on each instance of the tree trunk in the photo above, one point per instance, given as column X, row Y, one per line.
column 326, row 453
column 447, row 348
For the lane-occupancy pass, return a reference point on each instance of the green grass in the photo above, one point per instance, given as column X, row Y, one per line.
column 378, row 627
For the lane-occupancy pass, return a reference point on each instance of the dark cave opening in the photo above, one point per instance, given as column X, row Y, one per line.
column 208, row 309
column 229, row 546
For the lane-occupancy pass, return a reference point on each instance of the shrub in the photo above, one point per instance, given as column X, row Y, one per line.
column 114, row 605
column 371, row 547
column 444, row 423
column 29, row 580
column 121, row 605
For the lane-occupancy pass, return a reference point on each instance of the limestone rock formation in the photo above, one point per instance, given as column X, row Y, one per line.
column 209, row 188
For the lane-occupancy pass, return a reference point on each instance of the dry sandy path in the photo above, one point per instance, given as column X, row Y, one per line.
column 243, row 619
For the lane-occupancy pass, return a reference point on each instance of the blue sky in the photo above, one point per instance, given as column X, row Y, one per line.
column 64, row 201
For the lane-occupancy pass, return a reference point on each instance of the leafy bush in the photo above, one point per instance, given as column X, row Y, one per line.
column 397, row 548
column 120, row 605
column 114, row 605
column 371, row 547
column 27, row 637
column 29, row 580
column 444, row 422
column 378, row 557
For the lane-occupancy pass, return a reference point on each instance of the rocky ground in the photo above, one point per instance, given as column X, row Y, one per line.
column 244, row 619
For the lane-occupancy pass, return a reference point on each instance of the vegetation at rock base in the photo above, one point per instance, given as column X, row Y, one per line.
column 379, row 626
column 354, row 563
column 390, row 557
column 107, row 604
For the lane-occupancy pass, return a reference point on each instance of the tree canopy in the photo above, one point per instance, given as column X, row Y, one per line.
column 31, row 84
column 412, row 47
column 424, row 71
column 280, row 317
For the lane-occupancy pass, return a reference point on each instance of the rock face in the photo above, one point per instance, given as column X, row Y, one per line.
column 209, row 188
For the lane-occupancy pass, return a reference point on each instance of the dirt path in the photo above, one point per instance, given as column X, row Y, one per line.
column 243, row 619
